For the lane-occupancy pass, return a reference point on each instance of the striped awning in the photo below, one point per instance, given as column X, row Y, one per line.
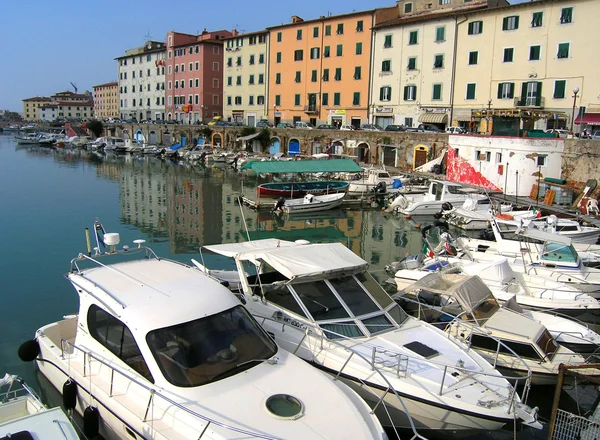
column 462, row 116
column 434, row 118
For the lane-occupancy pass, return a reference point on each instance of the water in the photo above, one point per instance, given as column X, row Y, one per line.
column 49, row 197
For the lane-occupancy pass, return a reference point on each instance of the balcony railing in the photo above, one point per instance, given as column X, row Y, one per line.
column 311, row 109
column 530, row 101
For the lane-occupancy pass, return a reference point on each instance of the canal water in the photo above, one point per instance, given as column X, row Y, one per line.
column 48, row 197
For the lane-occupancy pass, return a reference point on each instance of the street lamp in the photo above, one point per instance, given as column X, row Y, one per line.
column 575, row 92
column 274, row 119
column 489, row 116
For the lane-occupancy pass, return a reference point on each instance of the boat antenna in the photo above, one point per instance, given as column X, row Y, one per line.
column 243, row 217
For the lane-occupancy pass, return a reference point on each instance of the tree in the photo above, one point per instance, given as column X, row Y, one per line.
column 95, row 126
column 264, row 137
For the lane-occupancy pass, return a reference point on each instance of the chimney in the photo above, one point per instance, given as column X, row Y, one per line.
column 296, row 19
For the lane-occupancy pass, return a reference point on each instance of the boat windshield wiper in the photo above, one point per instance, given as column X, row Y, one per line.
column 325, row 308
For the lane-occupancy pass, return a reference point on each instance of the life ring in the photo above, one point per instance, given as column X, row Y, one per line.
column 505, row 217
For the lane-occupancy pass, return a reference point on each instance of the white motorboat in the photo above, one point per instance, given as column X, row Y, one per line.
column 24, row 416
column 439, row 192
column 511, row 341
column 319, row 301
column 26, row 139
column 470, row 218
column 161, row 350
column 312, row 203
column 373, row 179
column 554, row 225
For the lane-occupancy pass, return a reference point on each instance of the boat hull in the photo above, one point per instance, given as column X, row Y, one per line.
column 300, row 189
column 320, row 203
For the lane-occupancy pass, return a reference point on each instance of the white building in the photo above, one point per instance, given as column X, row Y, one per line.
column 141, row 73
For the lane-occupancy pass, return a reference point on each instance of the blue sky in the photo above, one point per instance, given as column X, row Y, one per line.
column 47, row 45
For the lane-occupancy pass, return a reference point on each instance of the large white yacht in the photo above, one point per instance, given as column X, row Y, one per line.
column 163, row 351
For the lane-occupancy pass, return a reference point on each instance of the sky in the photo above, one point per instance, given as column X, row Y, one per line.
column 46, row 45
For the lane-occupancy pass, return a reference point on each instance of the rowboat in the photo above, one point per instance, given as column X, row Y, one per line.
column 300, row 189
column 311, row 203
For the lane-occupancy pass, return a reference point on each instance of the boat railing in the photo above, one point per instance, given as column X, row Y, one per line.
column 313, row 330
column 68, row 347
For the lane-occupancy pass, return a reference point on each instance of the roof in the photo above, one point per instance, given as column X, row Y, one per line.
column 247, row 34
column 507, row 322
column 38, row 98
column 304, row 166
column 432, row 15
column 323, row 18
column 108, row 84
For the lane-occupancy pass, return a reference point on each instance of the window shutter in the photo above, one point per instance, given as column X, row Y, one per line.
column 523, row 93
column 500, row 87
column 512, row 90
column 517, row 22
column 505, row 23
column 381, row 93
column 471, row 28
column 406, row 93
column 538, row 94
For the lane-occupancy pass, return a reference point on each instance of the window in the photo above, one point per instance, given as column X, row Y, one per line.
column 385, row 93
column 388, row 41
column 215, row 66
column 252, row 40
column 260, row 100
column 475, row 27
column 182, row 67
column 410, row 93
column 261, row 78
column 326, row 52
column 277, row 100
column 238, row 81
column 413, row 38
column 440, row 34
column 314, row 53
column 542, row 160
column 325, row 99
column 356, row 98
column 566, row 15
column 506, row 90
column 328, row 30
column 471, row 91
column 229, row 62
column 563, row 50
column 251, row 61
column 325, row 75
column 358, row 48
column 215, row 83
column 278, row 57
column 338, row 74
column 296, row 99
column 510, row 23
column 298, row 77
column 438, row 62
column 559, row 89
column 238, row 100
column 251, row 79
column 508, row 55
column 437, row 92
column 191, row 83
column 357, row 72
column 229, row 82
column 412, row 63
column 336, row 99
column 316, row 32
column 386, row 66
column 299, row 34
column 279, row 37
column 238, row 61
column 534, row 53
column 538, row 19
column 261, row 58
column 278, row 78
column 228, row 100
column 359, row 26
column 191, row 67
column 407, row 8
column 340, row 29
column 298, row 55
column 313, row 76
column 473, row 58
column 339, row 50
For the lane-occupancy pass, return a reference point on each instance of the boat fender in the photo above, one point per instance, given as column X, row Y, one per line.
column 29, row 350
column 504, row 216
column 69, row 393
column 91, row 422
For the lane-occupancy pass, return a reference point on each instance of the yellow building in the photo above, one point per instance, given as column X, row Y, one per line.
column 31, row 107
column 106, row 100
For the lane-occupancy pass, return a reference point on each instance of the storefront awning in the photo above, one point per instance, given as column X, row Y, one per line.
column 434, row 118
column 462, row 117
column 588, row 119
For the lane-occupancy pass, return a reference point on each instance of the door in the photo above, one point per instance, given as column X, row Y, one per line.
column 275, row 147
column 389, row 156
column 251, row 121
column 294, row 147
column 277, row 120
column 152, row 138
column 420, row 157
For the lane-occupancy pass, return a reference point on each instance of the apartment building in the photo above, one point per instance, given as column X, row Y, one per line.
column 245, row 75
column 319, row 69
column 32, row 105
column 194, row 75
column 141, row 73
column 106, row 100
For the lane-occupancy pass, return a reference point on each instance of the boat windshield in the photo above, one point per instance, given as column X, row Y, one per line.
column 547, row 344
column 560, row 253
column 209, row 349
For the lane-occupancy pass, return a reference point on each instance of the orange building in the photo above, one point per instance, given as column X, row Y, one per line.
column 319, row 69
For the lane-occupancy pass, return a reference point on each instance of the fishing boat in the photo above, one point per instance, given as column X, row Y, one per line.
column 372, row 178
column 312, row 203
column 23, row 415
column 300, row 189
column 319, row 301
column 161, row 350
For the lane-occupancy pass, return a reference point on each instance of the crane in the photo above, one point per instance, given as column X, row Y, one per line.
column 75, row 87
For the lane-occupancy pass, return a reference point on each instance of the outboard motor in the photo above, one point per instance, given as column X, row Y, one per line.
column 380, row 188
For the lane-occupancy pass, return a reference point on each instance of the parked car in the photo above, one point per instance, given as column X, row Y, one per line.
column 393, row 127
column 371, row 127
column 348, row 127
column 284, row 125
column 429, row 128
column 326, row 127
column 455, row 130
column 263, row 123
column 304, row 125
column 558, row 131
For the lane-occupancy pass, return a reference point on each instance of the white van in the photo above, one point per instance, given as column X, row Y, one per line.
column 305, row 125
column 455, row 130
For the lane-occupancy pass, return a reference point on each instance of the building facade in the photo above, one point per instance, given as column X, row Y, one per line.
column 319, row 69
column 32, row 105
column 106, row 100
column 245, row 61
column 194, row 76
column 141, row 73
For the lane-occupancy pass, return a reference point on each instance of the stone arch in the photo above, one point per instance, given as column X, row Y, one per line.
column 275, row 145
column 293, row 147
column 363, row 151
column 217, row 140
column 152, row 137
column 338, row 146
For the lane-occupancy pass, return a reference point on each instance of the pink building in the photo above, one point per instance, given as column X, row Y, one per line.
column 194, row 76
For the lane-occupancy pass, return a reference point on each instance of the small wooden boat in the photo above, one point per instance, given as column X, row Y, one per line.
column 300, row 189
column 312, row 203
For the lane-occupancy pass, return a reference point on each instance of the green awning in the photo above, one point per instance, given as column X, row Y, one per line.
column 304, row 166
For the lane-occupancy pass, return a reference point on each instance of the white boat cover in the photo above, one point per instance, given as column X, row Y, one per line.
column 232, row 249
column 498, row 270
column 309, row 261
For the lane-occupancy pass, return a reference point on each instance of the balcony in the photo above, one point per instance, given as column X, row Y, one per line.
column 311, row 109
column 531, row 101
column 385, row 73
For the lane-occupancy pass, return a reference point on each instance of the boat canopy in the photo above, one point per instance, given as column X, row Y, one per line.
column 248, row 137
column 304, row 166
column 536, row 234
column 232, row 249
column 499, row 270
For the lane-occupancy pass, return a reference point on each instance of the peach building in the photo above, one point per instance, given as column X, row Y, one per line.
column 319, row 69
column 106, row 100
column 194, row 75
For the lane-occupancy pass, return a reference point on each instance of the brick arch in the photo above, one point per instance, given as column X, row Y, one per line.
column 363, row 151
column 217, row 138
